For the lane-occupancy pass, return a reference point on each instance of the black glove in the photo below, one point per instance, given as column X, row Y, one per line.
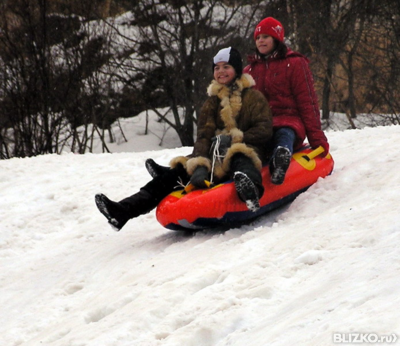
column 222, row 143
column 199, row 175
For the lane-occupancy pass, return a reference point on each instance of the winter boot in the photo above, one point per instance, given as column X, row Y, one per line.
column 248, row 181
column 119, row 213
column 246, row 191
column 279, row 165
column 115, row 213
column 155, row 169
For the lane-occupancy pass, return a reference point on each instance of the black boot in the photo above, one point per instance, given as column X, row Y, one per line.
column 115, row 213
column 119, row 213
column 248, row 181
column 279, row 165
column 142, row 202
column 246, row 191
column 154, row 168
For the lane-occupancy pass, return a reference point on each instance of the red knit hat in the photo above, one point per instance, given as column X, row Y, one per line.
column 270, row 26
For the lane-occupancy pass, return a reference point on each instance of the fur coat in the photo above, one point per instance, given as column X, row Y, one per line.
column 238, row 111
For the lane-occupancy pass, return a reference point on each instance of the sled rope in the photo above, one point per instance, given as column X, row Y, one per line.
column 216, row 156
column 181, row 184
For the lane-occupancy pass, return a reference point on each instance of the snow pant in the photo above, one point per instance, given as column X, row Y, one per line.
column 150, row 195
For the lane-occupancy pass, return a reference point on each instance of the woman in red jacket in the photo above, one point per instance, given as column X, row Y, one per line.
column 284, row 77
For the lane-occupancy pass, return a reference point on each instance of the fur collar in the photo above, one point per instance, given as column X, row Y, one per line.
column 231, row 98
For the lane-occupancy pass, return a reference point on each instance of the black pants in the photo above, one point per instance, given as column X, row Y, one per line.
column 151, row 194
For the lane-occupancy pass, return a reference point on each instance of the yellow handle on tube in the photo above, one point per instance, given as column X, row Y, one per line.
column 190, row 187
column 315, row 152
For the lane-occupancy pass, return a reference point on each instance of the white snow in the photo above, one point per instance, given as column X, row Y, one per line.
column 327, row 263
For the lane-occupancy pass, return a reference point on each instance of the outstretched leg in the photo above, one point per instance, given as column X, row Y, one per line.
column 142, row 202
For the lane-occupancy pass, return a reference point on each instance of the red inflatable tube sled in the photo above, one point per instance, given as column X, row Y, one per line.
column 220, row 205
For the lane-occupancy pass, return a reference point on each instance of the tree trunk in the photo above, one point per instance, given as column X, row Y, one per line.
column 327, row 89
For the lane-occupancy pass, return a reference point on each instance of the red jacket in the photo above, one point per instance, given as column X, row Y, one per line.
column 288, row 85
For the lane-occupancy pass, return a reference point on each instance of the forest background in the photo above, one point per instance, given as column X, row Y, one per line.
column 71, row 69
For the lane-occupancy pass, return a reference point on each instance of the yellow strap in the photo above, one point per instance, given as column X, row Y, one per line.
column 208, row 183
column 190, row 187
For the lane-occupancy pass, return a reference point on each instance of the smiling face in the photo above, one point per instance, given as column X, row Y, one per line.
column 224, row 73
column 265, row 44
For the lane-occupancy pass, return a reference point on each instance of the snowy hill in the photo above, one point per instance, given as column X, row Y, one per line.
column 308, row 274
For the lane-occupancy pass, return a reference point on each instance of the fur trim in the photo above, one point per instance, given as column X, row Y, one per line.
column 237, row 136
column 244, row 149
column 244, row 82
column 247, row 81
column 178, row 160
column 195, row 162
column 231, row 102
column 219, row 173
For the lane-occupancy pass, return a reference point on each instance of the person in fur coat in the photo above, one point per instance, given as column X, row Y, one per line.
column 237, row 115
column 234, row 131
column 284, row 77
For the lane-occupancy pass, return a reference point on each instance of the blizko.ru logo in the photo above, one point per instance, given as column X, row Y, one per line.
column 366, row 338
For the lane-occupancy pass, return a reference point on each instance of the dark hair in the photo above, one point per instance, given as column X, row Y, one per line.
column 280, row 49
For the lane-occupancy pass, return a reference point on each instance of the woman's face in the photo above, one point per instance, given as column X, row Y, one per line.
column 224, row 73
column 265, row 44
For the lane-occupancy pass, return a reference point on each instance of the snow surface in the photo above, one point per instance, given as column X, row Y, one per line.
column 327, row 263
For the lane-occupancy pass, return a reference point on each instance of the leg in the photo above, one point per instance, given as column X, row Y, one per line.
column 283, row 149
column 248, row 181
column 142, row 202
column 284, row 137
column 154, row 168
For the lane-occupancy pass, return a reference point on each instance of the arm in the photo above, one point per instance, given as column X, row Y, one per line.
column 259, row 132
column 205, row 131
column 206, row 126
column 307, row 103
column 199, row 165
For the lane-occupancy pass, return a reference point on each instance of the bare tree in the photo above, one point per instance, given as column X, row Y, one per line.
column 380, row 58
column 172, row 46
column 26, row 75
column 53, row 90
column 65, row 79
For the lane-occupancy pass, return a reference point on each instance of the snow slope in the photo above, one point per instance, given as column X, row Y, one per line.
column 328, row 263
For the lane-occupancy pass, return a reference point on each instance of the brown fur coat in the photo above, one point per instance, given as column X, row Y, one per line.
column 238, row 111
